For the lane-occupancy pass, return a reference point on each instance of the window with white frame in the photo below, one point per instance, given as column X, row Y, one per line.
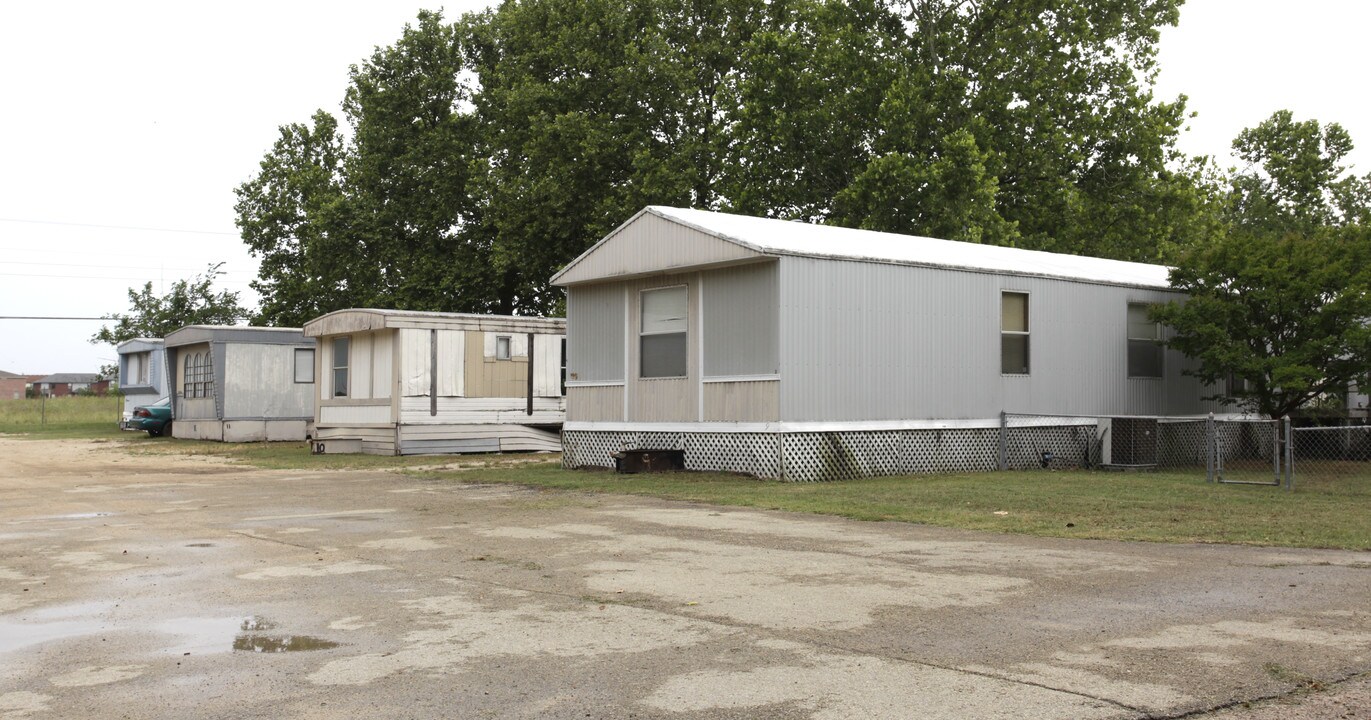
column 207, row 376
column 503, row 347
column 1144, row 343
column 199, row 375
column 341, row 347
column 662, row 338
column 188, row 377
column 304, row 365
column 1014, row 333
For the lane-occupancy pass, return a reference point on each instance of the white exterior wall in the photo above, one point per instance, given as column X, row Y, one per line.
column 869, row 341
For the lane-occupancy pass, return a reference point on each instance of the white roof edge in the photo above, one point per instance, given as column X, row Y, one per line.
column 808, row 240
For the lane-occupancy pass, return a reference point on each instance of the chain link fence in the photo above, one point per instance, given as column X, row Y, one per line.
column 1227, row 450
column 1332, row 453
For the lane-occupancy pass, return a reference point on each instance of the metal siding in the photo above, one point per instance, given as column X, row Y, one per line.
column 740, row 306
column 652, row 244
column 414, row 362
column 259, row 382
column 547, row 365
column 595, row 345
column 751, row 401
column 866, row 341
column 352, row 414
column 359, row 366
column 451, row 357
column 595, row 404
column 382, row 367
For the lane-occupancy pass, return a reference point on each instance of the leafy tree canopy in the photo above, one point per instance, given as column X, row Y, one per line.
column 475, row 158
column 1283, row 300
column 189, row 302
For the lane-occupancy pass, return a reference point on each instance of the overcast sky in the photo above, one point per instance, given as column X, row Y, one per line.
column 126, row 127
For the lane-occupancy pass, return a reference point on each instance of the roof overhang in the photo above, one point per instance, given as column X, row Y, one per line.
column 343, row 322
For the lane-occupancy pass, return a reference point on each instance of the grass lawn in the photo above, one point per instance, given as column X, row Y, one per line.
column 71, row 416
column 1322, row 512
column 1158, row 507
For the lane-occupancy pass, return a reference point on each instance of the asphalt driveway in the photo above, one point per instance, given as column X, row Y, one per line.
column 135, row 586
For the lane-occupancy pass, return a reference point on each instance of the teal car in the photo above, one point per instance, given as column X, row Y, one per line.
column 154, row 418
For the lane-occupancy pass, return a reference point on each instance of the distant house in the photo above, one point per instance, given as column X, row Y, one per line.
column 142, row 371
column 394, row 382
column 60, row 384
column 12, row 385
column 240, row 384
column 808, row 352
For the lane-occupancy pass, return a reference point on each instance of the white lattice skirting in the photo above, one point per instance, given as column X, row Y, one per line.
column 837, row 455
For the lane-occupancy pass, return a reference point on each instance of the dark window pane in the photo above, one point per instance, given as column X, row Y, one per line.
column 664, row 355
column 1144, row 359
column 1014, row 354
column 340, row 382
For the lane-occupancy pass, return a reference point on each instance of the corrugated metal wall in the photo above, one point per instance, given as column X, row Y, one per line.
column 595, row 350
column 259, row 382
column 740, row 307
column 866, row 341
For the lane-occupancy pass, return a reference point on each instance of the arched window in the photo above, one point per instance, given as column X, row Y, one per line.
column 199, row 375
column 207, row 375
column 188, row 378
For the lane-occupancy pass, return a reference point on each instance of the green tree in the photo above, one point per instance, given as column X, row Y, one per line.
column 189, row 302
column 1281, row 301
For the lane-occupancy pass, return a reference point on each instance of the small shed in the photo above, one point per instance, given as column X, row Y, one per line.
column 240, row 384
column 394, row 382
column 61, row 384
column 785, row 349
column 142, row 372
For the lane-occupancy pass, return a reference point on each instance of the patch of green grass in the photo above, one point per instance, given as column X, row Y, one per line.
column 65, row 417
column 1157, row 507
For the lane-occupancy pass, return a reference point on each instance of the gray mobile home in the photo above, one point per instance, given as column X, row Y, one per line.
column 773, row 348
column 395, row 382
column 142, row 372
column 240, row 384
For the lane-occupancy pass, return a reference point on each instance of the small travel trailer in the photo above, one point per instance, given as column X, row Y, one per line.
column 240, row 384
column 394, row 382
column 142, row 372
column 800, row 351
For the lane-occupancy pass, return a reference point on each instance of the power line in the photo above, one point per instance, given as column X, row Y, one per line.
column 47, row 317
column 119, row 267
column 145, row 278
column 117, row 227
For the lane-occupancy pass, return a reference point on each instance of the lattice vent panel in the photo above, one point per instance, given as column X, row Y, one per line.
column 1068, row 445
column 1181, row 443
column 755, row 454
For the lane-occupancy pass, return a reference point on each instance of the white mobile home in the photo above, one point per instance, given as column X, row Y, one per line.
column 240, row 384
column 142, row 372
column 395, row 382
column 785, row 349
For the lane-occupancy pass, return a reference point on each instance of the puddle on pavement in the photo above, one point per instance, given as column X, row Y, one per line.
column 281, row 643
column 256, row 622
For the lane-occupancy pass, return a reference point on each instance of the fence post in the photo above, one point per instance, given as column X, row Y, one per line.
column 1276, row 436
column 1209, row 441
column 1289, row 455
column 1004, row 441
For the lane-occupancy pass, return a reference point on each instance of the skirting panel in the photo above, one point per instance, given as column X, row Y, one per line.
column 815, row 456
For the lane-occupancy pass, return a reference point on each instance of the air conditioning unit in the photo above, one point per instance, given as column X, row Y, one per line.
column 1128, row 442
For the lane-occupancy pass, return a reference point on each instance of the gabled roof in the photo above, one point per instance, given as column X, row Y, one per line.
column 9, row 375
column 139, row 344
column 363, row 319
column 69, row 378
column 766, row 237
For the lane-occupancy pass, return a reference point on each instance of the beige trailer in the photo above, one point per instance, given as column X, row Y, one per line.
column 395, row 382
